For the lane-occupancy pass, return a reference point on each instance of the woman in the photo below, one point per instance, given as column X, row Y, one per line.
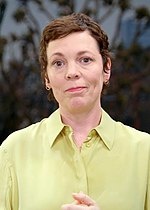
column 78, row 158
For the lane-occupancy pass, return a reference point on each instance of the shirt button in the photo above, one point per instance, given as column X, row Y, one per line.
column 88, row 144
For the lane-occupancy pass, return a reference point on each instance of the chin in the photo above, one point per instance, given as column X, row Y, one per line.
column 78, row 106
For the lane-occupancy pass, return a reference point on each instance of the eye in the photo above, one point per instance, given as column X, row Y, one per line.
column 58, row 63
column 86, row 60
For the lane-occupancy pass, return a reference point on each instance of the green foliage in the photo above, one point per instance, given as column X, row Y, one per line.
column 19, row 15
column 124, row 4
column 3, row 5
column 3, row 42
column 142, row 13
column 39, row 2
column 108, row 2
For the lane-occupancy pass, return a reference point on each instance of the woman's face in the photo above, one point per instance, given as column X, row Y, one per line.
column 75, row 72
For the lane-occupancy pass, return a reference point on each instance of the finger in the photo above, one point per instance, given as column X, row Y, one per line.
column 84, row 199
column 72, row 207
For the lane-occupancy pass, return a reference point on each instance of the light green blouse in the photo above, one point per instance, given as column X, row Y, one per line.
column 40, row 166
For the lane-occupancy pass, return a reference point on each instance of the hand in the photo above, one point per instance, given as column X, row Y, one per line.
column 82, row 202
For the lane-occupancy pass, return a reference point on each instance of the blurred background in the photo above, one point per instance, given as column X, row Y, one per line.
column 23, row 99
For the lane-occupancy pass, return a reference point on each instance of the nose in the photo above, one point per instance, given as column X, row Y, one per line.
column 72, row 72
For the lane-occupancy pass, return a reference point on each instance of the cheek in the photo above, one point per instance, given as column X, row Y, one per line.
column 97, row 78
column 98, row 82
column 56, row 83
column 52, row 79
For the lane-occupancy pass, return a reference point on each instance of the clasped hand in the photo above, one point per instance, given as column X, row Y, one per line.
column 82, row 202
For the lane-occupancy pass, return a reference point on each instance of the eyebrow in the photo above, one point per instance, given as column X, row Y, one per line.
column 79, row 53
column 83, row 52
column 57, row 53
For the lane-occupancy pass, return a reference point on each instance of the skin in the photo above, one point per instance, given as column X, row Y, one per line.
column 75, row 74
column 82, row 202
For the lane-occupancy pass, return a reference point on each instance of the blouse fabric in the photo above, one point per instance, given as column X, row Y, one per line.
column 40, row 166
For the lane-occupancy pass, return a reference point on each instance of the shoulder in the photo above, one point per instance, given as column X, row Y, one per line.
column 132, row 136
column 121, row 132
column 32, row 136
column 22, row 136
column 130, row 131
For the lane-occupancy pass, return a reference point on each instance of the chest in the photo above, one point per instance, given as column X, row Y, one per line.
column 111, row 180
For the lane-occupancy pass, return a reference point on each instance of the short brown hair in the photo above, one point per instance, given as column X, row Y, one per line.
column 63, row 26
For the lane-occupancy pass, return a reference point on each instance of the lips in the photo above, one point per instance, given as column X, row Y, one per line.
column 75, row 89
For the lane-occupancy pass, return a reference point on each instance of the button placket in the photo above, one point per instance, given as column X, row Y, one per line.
column 80, row 172
column 88, row 144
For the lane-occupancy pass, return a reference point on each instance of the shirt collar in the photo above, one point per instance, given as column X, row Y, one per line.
column 106, row 130
column 54, row 126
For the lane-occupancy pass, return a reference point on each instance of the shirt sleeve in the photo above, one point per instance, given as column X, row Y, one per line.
column 147, row 203
column 148, row 198
column 8, row 193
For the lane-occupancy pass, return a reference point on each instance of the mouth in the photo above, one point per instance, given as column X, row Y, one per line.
column 75, row 89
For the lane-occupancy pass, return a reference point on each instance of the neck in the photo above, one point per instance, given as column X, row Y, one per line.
column 81, row 123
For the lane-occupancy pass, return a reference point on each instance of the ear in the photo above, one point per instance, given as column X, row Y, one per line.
column 107, row 71
column 47, row 82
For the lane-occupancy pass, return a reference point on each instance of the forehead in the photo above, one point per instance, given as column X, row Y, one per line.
column 74, row 41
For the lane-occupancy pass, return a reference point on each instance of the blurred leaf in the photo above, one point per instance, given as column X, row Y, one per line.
column 108, row 2
column 23, row 2
column 124, row 4
column 135, row 49
column 39, row 2
column 28, row 37
column 142, row 12
column 19, row 15
column 3, row 5
column 63, row 2
column 89, row 11
column 3, row 42
column 13, row 37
